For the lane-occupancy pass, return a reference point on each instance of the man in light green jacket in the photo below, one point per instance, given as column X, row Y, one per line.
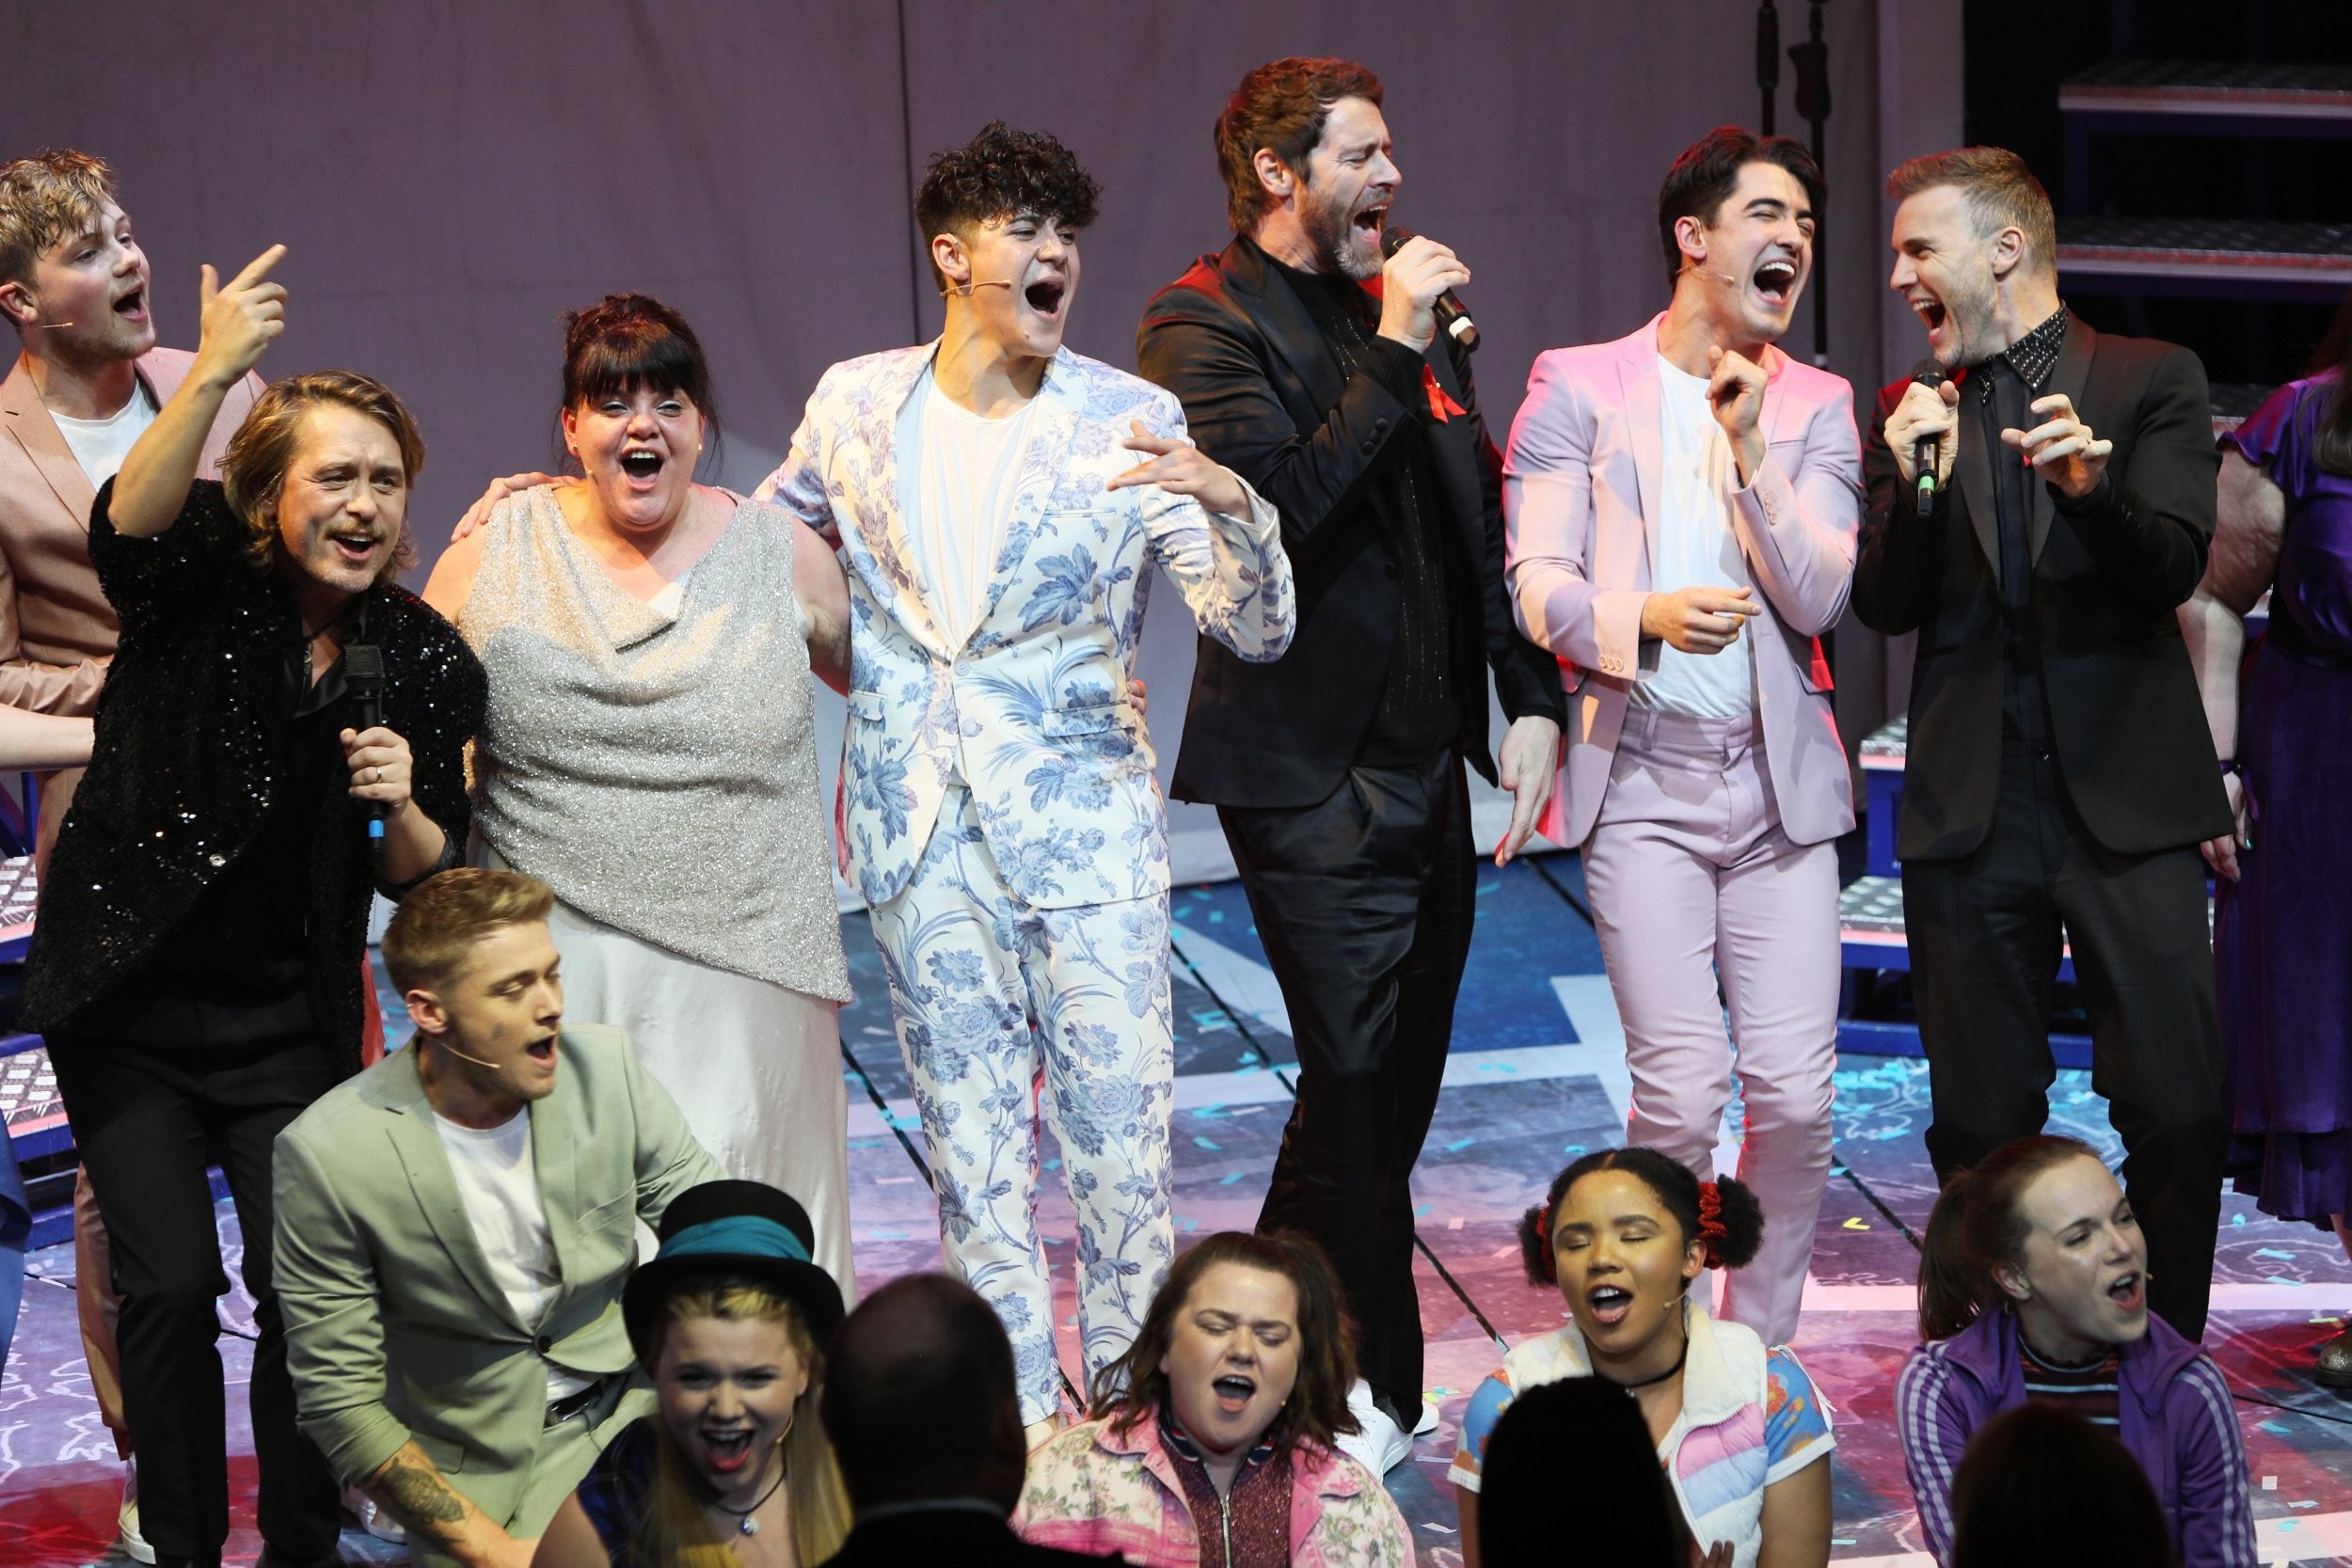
column 454, row 1226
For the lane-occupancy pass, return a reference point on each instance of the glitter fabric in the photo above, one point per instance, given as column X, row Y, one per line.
column 657, row 766
column 180, row 776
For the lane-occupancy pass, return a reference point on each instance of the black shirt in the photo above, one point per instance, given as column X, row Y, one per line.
column 1418, row 715
column 2005, row 387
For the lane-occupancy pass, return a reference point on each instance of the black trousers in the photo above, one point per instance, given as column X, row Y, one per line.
column 1985, row 933
column 1364, row 904
column 145, row 1118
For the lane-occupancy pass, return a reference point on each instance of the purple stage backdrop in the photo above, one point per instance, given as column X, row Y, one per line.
column 450, row 177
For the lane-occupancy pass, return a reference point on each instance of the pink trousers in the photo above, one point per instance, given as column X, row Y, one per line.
column 1693, row 881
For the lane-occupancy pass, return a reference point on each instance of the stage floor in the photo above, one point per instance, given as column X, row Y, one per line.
column 1537, row 1076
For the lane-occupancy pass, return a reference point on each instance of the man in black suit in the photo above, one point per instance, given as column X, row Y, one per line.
column 926, row 1425
column 1319, row 375
column 2060, row 775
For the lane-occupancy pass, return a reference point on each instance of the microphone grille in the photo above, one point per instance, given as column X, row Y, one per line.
column 1928, row 372
column 1392, row 239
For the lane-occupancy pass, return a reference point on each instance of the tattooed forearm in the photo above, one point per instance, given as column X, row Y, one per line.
column 411, row 1486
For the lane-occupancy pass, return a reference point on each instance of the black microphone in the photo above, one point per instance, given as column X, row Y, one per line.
column 1929, row 373
column 1448, row 309
column 363, row 677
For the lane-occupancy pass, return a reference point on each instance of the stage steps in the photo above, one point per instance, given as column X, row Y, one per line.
column 2208, row 258
column 2296, row 99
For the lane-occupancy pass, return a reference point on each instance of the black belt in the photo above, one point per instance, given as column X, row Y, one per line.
column 571, row 1404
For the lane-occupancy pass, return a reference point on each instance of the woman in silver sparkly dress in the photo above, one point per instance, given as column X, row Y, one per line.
column 650, row 754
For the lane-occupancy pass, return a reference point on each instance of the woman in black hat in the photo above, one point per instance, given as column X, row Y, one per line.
column 732, row 1468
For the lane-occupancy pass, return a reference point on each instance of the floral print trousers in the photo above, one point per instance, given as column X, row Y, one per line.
column 1004, row 1012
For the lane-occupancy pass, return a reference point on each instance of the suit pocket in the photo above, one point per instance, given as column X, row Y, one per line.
column 1063, row 723
column 867, row 705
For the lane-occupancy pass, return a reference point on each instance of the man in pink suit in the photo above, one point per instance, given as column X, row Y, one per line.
column 1682, row 507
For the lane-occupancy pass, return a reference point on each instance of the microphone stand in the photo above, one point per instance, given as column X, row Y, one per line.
column 1767, row 59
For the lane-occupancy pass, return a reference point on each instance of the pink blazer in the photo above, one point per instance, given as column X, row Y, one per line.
column 1581, row 487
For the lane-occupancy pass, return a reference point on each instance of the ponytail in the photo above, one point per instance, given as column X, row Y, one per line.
column 1977, row 1227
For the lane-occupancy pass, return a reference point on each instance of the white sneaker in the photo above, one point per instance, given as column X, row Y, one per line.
column 127, row 1537
column 1428, row 1422
column 371, row 1518
column 1379, row 1444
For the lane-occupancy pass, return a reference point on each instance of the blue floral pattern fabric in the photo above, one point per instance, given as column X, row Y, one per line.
column 1031, row 713
column 987, row 989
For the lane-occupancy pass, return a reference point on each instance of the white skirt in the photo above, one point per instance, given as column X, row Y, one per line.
column 755, row 1068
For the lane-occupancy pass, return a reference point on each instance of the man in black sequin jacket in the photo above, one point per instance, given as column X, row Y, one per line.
column 199, row 962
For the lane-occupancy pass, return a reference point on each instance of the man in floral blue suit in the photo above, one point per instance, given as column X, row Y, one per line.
column 1001, row 814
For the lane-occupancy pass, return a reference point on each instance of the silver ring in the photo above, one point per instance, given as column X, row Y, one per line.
column 376, row 775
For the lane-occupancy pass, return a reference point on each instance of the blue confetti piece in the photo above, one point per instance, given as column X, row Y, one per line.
column 1203, row 1143
column 2276, row 1429
column 1054, row 1164
column 1216, row 917
column 1247, row 1066
column 1187, row 1224
column 1573, row 1148
column 1458, row 1144
column 2274, row 1252
column 1841, row 1541
column 906, row 1124
column 1422, row 1212
column 1230, row 1178
column 1485, row 888
column 2282, row 1279
column 2306, row 1503
column 2285, row 1525
column 2237, row 1219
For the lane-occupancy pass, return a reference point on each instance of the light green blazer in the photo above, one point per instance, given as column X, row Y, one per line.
column 394, row 1327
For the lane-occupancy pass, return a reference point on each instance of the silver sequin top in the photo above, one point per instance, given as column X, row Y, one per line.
column 657, row 766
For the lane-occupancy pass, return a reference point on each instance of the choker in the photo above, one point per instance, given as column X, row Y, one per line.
column 1661, row 1377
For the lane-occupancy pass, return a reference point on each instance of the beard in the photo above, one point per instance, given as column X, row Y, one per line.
column 1331, row 228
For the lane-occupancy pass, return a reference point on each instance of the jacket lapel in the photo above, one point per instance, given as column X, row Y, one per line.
column 418, row 1142
column 879, row 505
column 556, row 1135
column 1282, row 316
column 1974, row 469
column 1637, row 375
column 26, row 418
column 1061, row 402
column 2072, row 375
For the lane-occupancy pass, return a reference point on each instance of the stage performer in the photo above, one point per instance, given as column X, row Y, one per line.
column 2060, row 777
column 89, row 378
column 1624, row 1234
column 2282, row 718
column 2033, row 1290
column 455, row 1225
column 1337, row 772
column 199, row 961
column 1001, row 814
column 1682, row 506
column 650, row 754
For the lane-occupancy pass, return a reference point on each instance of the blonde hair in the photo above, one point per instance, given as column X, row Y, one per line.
column 675, row 1532
column 43, row 200
column 439, row 920
column 253, row 469
column 1999, row 189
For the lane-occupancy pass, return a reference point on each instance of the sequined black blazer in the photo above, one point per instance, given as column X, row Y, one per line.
column 179, row 783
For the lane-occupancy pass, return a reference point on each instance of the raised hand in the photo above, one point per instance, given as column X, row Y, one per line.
column 1735, row 393
column 1182, row 470
column 2062, row 448
column 1411, row 283
column 1698, row 620
column 239, row 320
column 1925, row 411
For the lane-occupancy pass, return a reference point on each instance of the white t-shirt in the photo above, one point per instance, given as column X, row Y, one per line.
column 967, row 471
column 100, row 445
column 1697, row 547
column 500, row 1185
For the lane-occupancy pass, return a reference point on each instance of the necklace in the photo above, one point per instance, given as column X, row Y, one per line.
column 743, row 1516
column 1661, row 1377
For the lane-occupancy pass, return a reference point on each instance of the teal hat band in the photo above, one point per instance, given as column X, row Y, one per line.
column 737, row 1235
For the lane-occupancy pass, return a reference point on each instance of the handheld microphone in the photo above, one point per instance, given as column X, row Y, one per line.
column 1927, row 372
column 1452, row 318
column 363, row 676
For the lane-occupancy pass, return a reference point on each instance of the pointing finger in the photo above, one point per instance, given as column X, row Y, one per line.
column 259, row 267
column 208, row 284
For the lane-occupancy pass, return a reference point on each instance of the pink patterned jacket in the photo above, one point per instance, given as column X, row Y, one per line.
column 1090, row 1490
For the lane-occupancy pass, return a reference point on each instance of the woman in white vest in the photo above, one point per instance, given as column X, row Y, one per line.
column 1741, row 1434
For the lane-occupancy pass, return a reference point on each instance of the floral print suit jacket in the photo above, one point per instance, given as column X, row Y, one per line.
column 1031, row 713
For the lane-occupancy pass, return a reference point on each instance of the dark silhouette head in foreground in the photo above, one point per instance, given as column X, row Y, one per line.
column 919, row 1398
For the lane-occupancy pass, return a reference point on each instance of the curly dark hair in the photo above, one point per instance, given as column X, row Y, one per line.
column 1737, row 1210
column 1704, row 177
column 1002, row 173
column 1133, row 1389
column 1280, row 107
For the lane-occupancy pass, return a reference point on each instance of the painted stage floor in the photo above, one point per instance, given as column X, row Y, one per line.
column 1537, row 1076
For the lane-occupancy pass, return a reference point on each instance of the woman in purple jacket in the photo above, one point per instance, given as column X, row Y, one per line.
column 2032, row 1290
